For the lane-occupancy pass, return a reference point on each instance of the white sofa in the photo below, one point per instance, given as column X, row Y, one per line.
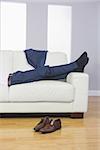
column 45, row 96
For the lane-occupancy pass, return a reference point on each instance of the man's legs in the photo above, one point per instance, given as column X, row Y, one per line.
column 27, row 76
column 47, row 72
column 59, row 72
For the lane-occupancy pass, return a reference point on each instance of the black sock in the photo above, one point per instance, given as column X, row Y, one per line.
column 82, row 62
column 81, row 68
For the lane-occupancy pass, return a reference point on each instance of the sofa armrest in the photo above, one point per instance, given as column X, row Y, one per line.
column 80, row 82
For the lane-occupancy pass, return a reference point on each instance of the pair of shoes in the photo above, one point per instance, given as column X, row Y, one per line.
column 47, row 125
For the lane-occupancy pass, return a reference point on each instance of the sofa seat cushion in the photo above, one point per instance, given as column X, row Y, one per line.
column 3, row 93
column 42, row 91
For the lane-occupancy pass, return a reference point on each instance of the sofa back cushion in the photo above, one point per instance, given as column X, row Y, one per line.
column 12, row 61
column 5, row 66
column 19, row 62
column 53, row 59
column 56, row 58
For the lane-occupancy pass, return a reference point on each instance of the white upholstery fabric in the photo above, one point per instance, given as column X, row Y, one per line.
column 22, row 107
column 3, row 93
column 42, row 91
column 19, row 62
column 80, row 81
column 5, row 66
column 56, row 58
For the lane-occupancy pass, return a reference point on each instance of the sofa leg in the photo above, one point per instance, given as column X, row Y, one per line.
column 77, row 115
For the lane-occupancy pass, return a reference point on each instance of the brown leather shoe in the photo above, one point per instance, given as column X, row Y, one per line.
column 51, row 127
column 42, row 123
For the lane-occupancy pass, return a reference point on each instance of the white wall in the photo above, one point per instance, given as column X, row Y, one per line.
column 98, row 52
column 84, row 37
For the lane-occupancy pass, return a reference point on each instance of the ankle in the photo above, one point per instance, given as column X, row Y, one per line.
column 9, row 79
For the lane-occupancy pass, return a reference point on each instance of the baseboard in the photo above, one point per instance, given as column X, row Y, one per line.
column 94, row 93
